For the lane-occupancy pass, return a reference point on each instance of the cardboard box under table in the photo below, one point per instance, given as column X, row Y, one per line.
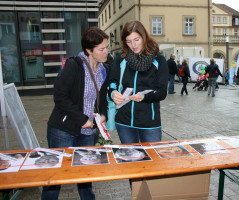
column 192, row 186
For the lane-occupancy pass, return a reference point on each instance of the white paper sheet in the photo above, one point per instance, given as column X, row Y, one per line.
column 101, row 127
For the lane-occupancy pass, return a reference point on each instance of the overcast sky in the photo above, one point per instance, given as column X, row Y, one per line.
column 231, row 3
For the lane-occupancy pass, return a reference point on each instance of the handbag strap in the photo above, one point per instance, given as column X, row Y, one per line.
column 92, row 76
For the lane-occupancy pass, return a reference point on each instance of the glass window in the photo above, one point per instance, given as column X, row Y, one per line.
column 31, row 46
column 188, row 26
column 236, row 32
column 224, row 20
column 114, row 6
column 213, row 20
column 105, row 15
column 157, row 25
column 236, row 21
column 109, row 11
column 219, row 20
column 224, row 31
column 76, row 24
column 8, row 45
column 120, row 3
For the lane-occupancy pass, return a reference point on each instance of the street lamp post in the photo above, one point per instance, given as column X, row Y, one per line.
column 227, row 51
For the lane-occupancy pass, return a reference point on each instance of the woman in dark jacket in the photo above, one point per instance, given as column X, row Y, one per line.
column 145, row 71
column 71, row 122
column 213, row 71
column 186, row 76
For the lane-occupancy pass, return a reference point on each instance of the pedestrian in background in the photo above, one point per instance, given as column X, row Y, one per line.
column 178, row 65
column 226, row 76
column 213, row 71
column 145, row 70
column 186, row 76
column 75, row 96
column 172, row 70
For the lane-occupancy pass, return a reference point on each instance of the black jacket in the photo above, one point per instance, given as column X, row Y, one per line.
column 67, row 114
column 144, row 114
column 172, row 67
column 186, row 70
column 213, row 71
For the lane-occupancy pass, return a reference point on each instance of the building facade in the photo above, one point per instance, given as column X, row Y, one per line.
column 225, row 22
column 35, row 36
column 182, row 27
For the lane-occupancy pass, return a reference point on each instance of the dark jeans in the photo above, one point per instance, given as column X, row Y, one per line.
column 135, row 135
column 185, row 82
column 171, row 83
column 57, row 139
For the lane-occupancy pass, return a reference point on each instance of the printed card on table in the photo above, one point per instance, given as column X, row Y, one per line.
column 126, row 155
column 11, row 162
column 90, row 156
column 208, row 147
column 171, row 151
column 42, row 160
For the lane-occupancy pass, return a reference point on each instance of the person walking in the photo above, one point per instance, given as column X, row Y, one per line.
column 186, row 76
column 226, row 76
column 172, row 68
column 213, row 71
column 79, row 88
column 145, row 71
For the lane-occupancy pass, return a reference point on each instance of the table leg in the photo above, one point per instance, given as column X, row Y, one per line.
column 221, row 185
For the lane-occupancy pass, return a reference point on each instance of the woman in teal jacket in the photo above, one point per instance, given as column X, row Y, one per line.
column 145, row 70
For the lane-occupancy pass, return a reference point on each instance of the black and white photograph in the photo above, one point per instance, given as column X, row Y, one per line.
column 42, row 160
column 126, row 155
column 173, row 151
column 89, row 157
column 9, row 165
column 208, row 148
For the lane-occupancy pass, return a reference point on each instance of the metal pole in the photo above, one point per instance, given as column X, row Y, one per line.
column 227, row 51
column 3, row 108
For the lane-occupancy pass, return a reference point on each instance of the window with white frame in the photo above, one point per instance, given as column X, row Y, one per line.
column 236, row 21
column 224, row 20
column 219, row 20
column 213, row 20
column 157, row 26
column 224, row 31
column 213, row 31
column 188, row 26
column 236, row 32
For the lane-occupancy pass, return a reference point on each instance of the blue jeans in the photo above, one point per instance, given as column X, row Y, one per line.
column 57, row 139
column 171, row 83
column 135, row 135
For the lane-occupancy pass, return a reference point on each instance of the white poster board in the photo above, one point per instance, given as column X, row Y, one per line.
column 18, row 118
column 195, row 65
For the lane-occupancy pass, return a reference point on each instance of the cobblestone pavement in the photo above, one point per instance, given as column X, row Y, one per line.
column 183, row 117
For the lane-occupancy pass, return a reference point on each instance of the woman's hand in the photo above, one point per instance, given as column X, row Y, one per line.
column 118, row 97
column 103, row 119
column 88, row 124
column 137, row 97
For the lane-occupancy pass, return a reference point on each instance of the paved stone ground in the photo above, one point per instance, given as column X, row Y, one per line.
column 183, row 117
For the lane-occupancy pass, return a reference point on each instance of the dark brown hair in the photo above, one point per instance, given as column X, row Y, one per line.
column 149, row 44
column 92, row 37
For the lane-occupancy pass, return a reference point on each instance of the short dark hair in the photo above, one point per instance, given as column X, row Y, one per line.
column 92, row 37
